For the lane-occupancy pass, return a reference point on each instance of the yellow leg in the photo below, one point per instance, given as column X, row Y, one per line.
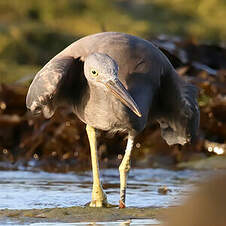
column 99, row 198
column 124, row 170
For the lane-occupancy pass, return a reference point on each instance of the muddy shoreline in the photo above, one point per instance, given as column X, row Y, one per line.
column 78, row 214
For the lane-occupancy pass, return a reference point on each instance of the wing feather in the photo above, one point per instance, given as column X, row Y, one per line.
column 178, row 112
column 41, row 93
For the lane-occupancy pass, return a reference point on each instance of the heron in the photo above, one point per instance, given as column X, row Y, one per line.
column 118, row 83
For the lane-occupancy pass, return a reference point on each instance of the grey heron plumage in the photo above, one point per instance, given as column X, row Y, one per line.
column 117, row 82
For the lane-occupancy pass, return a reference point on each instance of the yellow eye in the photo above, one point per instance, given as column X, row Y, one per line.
column 94, row 72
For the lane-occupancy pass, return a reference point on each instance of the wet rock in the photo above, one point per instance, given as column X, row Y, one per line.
column 214, row 162
column 164, row 190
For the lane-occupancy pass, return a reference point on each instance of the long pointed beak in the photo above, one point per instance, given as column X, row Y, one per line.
column 117, row 88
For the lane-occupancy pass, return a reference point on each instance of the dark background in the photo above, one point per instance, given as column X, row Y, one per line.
column 191, row 33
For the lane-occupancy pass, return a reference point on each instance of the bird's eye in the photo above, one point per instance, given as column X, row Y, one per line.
column 94, row 72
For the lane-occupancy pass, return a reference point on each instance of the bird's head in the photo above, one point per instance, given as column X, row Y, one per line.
column 101, row 70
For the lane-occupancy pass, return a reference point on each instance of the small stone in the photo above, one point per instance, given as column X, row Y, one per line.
column 41, row 215
column 164, row 190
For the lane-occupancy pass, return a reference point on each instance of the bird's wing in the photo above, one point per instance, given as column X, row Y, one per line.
column 54, row 80
column 178, row 112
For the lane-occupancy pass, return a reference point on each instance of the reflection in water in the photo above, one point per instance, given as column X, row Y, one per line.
column 133, row 222
column 27, row 190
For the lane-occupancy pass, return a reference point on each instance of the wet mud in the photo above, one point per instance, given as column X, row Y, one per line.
column 78, row 214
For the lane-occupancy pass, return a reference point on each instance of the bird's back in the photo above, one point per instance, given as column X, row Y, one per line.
column 132, row 54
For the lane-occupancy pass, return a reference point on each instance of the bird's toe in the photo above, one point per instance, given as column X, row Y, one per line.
column 121, row 204
column 100, row 203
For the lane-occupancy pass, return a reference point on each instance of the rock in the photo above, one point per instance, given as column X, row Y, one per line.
column 214, row 162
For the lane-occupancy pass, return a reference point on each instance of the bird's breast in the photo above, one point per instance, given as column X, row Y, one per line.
column 103, row 111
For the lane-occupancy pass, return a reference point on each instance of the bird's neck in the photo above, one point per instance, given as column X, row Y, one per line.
column 95, row 89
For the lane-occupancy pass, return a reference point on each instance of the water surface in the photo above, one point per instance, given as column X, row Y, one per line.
column 27, row 190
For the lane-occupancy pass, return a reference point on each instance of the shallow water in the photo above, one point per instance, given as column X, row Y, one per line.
column 27, row 190
column 133, row 222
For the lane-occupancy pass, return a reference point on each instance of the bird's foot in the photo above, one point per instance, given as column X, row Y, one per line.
column 121, row 204
column 100, row 203
column 99, row 198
